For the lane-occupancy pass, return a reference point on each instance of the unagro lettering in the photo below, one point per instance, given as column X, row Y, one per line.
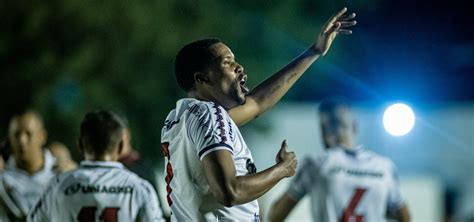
column 85, row 189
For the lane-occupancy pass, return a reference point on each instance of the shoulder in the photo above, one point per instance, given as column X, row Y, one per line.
column 205, row 114
column 201, row 108
column 132, row 179
column 314, row 161
column 379, row 159
column 190, row 107
column 13, row 178
column 56, row 182
column 62, row 178
column 140, row 185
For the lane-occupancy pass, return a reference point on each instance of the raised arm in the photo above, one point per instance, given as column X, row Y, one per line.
column 270, row 91
column 231, row 190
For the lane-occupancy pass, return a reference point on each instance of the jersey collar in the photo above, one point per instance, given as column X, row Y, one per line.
column 352, row 151
column 104, row 164
column 42, row 176
column 48, row 163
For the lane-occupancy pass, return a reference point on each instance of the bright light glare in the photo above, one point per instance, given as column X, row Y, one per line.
column 398, row 119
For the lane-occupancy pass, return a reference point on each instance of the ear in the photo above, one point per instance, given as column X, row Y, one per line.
column 45, row 137
column 200, row 77
column 120, row 148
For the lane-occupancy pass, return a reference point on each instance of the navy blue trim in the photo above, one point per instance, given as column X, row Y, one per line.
column 220, row 123
column 97, row 167
column 351, row 152
column 100, row 164
column 169, row 124
column 214, row 146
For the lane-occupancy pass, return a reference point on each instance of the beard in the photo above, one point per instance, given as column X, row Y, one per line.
column 231, row 96
column 234, row 98
column 240, row 93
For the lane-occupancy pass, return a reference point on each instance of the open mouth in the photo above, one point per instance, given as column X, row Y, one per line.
column 243, row 84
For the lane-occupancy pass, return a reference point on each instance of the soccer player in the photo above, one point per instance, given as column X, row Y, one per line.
column 347, row 182
column 210, row 173
column 101, row 188
column 28, row 169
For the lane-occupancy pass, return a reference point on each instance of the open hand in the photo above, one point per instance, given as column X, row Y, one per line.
column 337, row 24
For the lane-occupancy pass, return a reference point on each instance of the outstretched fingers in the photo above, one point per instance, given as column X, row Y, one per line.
column 348, row 24
column 340, row 20
column 348, row 17
column 339, row 14
column 344, row 31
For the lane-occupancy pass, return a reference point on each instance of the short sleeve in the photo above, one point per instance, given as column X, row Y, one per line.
column 149, row 207
column 395, row 199
column 304, row 179
column 209, row 129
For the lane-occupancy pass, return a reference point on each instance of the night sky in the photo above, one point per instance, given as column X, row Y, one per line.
column 420, row 51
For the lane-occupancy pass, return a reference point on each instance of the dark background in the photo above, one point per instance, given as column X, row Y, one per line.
column 66, row 57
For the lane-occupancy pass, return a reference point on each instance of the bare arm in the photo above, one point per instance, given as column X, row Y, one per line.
column 404, row 214
column 231, row 190
column 270, row 91
column 281, row 208
column 401, row 214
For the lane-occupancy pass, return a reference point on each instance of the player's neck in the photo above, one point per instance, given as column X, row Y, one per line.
column 346, row 142
column 202, row 96
column 31, row 166
column 102, row 158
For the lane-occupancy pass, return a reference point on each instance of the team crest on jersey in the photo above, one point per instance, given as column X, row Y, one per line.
column 251, row 168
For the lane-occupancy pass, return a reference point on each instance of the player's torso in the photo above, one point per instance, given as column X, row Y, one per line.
column 355, row 185
column 96, row 194
column 23, row 190
column 188, row 191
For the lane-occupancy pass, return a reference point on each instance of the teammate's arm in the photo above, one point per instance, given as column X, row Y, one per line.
column 270, row 91
column 397, row 208
column 281, row 208
column 402, row 214
column 231, row 190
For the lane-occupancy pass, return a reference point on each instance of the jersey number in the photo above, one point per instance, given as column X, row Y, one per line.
column 87, row 214
column 169, row 173
column 347, row 214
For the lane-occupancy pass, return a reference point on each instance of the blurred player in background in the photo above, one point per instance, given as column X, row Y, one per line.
column 209, row 167
column 101, row 188
column 4, row 152
column 345, row 183
column 28, row 169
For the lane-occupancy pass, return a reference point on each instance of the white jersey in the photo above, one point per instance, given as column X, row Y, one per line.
column 192, row 130
column 97, row 191
column 348, row 185
column 20, row 190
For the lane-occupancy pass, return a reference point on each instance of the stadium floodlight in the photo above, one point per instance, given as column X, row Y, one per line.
column 398, row 119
